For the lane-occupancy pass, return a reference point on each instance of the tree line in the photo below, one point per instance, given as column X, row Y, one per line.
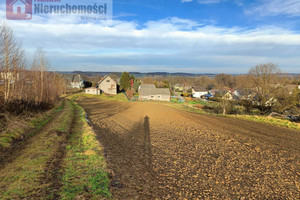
column 25, row 82
column 266, row 86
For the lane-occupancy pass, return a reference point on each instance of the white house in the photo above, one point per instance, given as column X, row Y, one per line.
column 92, row 90
column 74, row 81
column 108, row 85
column 198, row 92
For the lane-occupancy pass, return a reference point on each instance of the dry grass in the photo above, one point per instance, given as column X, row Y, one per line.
column 19, row 127
column 22, row 178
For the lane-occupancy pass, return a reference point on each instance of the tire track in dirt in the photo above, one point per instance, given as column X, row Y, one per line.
column 53, row 170
column 9, row 155
column 39, row 164
column 193, row 156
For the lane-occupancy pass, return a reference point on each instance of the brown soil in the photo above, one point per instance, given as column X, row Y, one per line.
column 157, row 152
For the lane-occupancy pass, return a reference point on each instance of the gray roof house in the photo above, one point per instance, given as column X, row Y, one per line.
column 74, row 80
column 150, row 92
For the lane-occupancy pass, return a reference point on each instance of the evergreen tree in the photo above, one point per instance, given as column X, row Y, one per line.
column 125, row 81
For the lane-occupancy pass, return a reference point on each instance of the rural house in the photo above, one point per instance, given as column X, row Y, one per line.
column 74, row 81
column 92, row 90
column 225, row 94
column 242, row 94
column 150, row 92
column 178, row 88
column 198, row 92
column 108, row 86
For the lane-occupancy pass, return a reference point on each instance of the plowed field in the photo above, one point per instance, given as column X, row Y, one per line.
column 157, row 152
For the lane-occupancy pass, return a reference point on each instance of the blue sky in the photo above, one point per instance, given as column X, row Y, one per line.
column 197, row 36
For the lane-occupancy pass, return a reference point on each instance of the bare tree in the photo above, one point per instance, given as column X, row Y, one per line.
column 227, row 80
column 11, row 58
column 262, row 77
column 21, row 87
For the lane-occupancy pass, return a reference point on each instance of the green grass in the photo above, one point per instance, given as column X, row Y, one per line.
column 85, row 164
column 262, row 119
column 30, row 128
column 119, row 97
column 65, row 121
column 269, row 120
column 83, row 168
column 24, row 176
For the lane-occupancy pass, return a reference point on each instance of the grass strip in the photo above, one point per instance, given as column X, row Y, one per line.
column 119, row 97
column 85, row 176
column 255, row 118
column 269, row 120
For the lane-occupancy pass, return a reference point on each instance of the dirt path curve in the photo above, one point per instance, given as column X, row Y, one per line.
column 9, row 155
column 157, row 152
column 35, row 172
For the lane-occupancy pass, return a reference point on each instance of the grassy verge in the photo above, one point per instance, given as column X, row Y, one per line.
column 85, row 175
column 255, row 118
column 23, row 178
column 119, row 97
column 268, row 120
column 30, row 128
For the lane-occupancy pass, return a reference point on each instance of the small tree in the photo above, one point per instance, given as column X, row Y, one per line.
column 125, row 81
column 225, row 103
column 136, row 84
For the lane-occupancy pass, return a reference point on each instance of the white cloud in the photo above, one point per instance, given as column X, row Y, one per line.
column 171, row 44
column 184, row 1
column 276, row 7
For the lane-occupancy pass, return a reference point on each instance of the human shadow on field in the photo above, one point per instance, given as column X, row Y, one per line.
column 147, row 143
column 129, row 157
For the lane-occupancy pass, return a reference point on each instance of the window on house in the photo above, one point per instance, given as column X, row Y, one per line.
column 152, row 97
column 158, row 97
column 107, row 81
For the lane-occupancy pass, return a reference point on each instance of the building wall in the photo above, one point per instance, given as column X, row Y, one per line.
column 76, row 85
column 93, row 91
column 156, row 97
column 199, row 94
column 108, row 86
column 227, row 96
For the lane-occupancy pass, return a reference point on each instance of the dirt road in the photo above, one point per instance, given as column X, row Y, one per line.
column 158, row 152
column 32, row 168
